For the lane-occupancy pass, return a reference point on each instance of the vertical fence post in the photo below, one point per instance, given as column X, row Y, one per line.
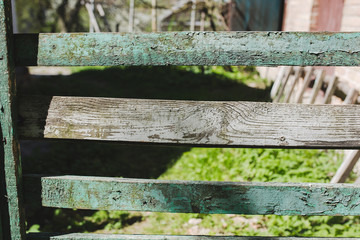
column 193, row 16
column 10, row 159
column 92, row 8
column 94, row 26
column 154, row 15
column 131, row 15
column 202, row 23
column 14, row 17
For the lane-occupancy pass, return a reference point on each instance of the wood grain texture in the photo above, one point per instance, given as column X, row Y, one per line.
column 10, row 159
column 101, row 193
column 189, row 48
column 225, row 124
column 79, row 236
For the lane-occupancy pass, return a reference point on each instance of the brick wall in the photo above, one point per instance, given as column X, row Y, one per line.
column 298, row 15
column 302, row 16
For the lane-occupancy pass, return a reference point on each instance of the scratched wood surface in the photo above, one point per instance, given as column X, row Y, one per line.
column 79, row 236
column 189, row 48
column 10, row 159
column 226, row 124
column 101, row 193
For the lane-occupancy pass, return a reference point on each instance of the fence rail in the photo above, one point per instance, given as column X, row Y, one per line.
column 188, row 48
column 224, row 124
column 101, row 193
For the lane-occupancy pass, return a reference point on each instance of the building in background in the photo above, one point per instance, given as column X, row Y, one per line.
column 254, row 15
column 323, row 15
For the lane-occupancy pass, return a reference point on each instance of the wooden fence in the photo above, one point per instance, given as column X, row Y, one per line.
column 220, row 124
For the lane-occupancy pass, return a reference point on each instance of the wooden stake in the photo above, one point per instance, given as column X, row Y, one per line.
column 353, row 156
column 193, row 16
column 14, row 17
column 154, row 16
column 352, row 96
column 318, row 82
column 330, row 90
column 292, row 84
column 309, row 72
column 284, row 82
column 94, row 26
column 91, row 9
column 202, row 23
column 277, row 82
column 131, row 15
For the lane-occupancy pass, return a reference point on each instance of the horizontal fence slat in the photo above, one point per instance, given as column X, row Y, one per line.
column 87, row 236
column 188, row 48
column 99, row 193
column 196, row 123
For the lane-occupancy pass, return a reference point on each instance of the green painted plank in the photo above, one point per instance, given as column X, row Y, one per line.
column 200, row 197
column 198, row 123
column 10, row 159
column 189, row 48
column 79, row 236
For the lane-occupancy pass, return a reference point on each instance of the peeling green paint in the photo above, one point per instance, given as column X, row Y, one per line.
column 10, row 144
column 189, row 48
column 101, row 193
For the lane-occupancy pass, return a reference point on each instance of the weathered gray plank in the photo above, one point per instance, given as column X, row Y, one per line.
column 80, row 236
column 189, row 48
column 10, row 159
column 227, row 124
column 200, row 197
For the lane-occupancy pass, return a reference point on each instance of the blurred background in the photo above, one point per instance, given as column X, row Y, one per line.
column 230, row 83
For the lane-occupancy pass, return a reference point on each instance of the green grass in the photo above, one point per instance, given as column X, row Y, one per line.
column 181, row 163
